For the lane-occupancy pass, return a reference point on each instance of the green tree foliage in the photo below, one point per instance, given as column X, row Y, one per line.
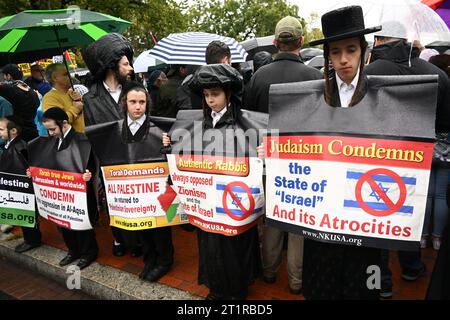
column 312, row 33
column 239, row 19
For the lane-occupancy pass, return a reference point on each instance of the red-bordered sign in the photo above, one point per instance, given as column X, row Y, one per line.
column 246, row 212
column 392, row 207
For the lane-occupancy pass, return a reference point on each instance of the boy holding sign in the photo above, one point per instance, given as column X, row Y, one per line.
column 14, row 161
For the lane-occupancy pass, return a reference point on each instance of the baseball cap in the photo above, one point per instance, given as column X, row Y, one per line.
column 289, row 28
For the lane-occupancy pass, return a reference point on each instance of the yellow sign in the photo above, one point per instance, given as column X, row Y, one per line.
column 26, row 67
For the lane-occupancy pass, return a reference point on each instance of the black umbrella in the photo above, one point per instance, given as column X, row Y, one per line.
column 258, row 44
column 309, row 53
column 440, row 46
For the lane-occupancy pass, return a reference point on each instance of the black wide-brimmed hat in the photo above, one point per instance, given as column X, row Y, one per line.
column 343, row 23
column 106, row 52
column 216, row 75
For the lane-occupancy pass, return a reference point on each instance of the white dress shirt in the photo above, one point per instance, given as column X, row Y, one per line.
column 217, row 115
column 8, row 143
column 115, row 94
column 134, row 125
column 346, row 91
column 65, row 135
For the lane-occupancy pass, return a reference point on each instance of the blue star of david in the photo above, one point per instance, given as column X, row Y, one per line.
column 234, row 202
column 374, row 194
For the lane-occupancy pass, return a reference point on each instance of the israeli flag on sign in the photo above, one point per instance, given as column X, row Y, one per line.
column 240, row 200
column 380, row 191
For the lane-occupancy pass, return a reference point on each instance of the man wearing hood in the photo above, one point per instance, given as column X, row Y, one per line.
column 393, row 55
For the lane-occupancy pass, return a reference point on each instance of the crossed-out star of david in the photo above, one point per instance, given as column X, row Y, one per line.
column 374, row 194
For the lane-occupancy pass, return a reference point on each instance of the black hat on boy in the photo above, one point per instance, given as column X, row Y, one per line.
column 343, row 23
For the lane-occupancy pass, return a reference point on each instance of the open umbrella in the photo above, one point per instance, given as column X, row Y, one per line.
column 28, row 57
column 442, row 8
column 421, row 21
column 258, row 44
column 316, row 62
column 188, row 48
column 440, row 46
column 34, row 30
column 309, row 53
column 144, row 61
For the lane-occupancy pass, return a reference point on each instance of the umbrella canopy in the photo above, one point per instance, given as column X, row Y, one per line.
column 309, row 53
column 258, row 44
column 316, row 62
column 144, row 61
column 188, row 48
column 421, row 21
column 440, row 46
column 442, row 8
column 33, row 30
column 27, row 57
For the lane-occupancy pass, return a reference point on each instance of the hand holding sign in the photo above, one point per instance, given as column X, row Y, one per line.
column 165, row 139
column 87, row 175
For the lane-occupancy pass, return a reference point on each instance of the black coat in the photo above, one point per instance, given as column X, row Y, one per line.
column 74, row 155
column 228, row 265
column 338, row 271
column 168, row 98
column 393, row 59
column 99, row 106
column 14, row 159
column 25, row 104
column 286, row 67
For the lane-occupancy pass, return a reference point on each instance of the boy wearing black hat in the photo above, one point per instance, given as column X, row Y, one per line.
column 69, row 143
column 336, row 271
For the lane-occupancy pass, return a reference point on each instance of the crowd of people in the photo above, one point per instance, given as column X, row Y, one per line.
column 49, row 104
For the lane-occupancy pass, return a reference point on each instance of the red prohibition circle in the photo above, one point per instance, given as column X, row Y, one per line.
column 246, row 212
column 392, row 207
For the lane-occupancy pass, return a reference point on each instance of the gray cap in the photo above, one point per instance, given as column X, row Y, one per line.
column 392, row 29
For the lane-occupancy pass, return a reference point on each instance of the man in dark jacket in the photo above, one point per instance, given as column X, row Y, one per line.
column 286, row 67
column 392, row 55
column 24, row 100
column 168, row 103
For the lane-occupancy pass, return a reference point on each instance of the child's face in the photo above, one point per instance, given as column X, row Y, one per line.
column 53, row 129
column 346, row 58
column 136, row 104
column 215, row 98
column 3, row 130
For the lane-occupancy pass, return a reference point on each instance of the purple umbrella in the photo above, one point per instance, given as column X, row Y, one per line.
column 444, row 11
column 442, row 8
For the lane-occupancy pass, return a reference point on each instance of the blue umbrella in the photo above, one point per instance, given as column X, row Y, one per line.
column 189, row 48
